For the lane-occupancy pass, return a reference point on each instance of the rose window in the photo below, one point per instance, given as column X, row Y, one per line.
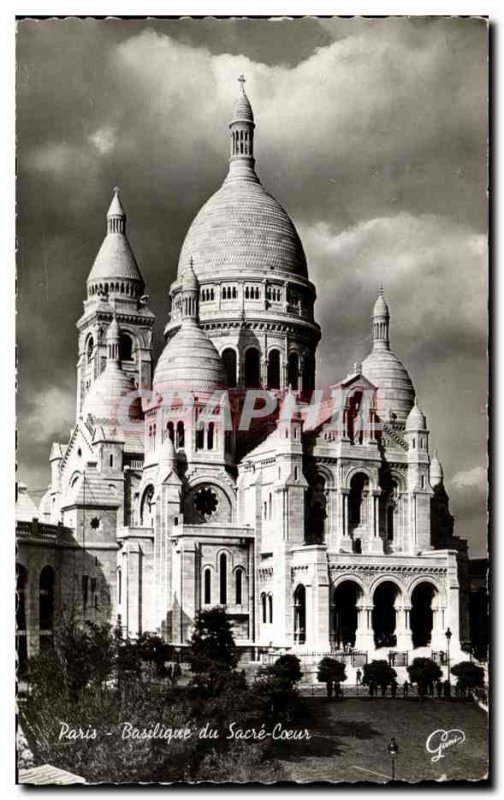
column 206, row 502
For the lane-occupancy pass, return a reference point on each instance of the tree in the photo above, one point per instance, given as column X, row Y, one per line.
column 331, row 671
column 287, row 669
column 212, row 651
column 469, row 676
column 423, row 672
column 153, row 650
column 378, row 673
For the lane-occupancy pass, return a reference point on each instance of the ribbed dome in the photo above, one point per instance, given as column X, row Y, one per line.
column 395, row 389
column 189, row 362
column 242, row 110
column 115, row 259
column 242, row 228
column 380, row 307
column 104, row 398
column 416, row 419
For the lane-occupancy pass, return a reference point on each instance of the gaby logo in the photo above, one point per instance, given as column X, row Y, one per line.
column 440, row 740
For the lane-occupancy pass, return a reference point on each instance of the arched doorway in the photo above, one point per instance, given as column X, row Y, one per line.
column 300, row 615
column 293, row 371
column 345, row 615
column 384, row 614
column 422, row 616
column 274, row 369
column 252, row 368
column 229, row 361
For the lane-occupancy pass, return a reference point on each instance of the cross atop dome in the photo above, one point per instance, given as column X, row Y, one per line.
column 242, row 81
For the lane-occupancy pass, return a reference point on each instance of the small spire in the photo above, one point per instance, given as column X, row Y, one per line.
column 116, row 215
column 381, row 317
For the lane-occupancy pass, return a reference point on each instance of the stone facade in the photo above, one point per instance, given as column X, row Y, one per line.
column 325, row 529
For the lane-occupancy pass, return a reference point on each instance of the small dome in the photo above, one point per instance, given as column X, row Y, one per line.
column 189, row 279
column 242, row 110
column 395, row 391
column 380, row 307
column 416, row 419
column 104, row 400
column 116, row 207
column 435, row 471
column 115, row 259
column 113, row 331
column 189, row 362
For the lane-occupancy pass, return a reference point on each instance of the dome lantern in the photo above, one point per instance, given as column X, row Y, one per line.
column 435, row 471
column 396, row 394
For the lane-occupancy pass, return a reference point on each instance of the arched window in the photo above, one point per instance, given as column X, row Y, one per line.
column 211, row 435
column 180, row 434
column 274, row 370
column 252, row 368
column 270, row 607
column 200, row 438
column 207, row 586
column 170, row 431
column 229, row 361
column 356, row 508
column 125, row 347
column 263, row 608
column 21, row 627
column 147, row 507
column 239, row 587
column 223, row 579
column 293, row 371
column 89, row 349
column 46, row 603
column 300, row 614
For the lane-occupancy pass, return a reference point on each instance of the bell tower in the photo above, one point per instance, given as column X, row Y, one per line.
column 115, row 290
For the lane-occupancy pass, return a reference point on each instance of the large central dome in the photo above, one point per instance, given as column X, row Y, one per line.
column 242, row 228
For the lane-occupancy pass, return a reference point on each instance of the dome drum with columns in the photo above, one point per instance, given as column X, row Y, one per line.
column 316, row 535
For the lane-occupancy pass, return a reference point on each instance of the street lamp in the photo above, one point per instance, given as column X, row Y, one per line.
column 448, row 635
column 393, row 749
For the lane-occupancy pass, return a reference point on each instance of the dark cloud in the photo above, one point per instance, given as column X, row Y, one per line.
column 370, row 132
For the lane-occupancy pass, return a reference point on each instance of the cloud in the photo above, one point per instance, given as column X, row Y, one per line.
column 434, row 274
column 475, row 478
column 51, row 415
column 103, row 139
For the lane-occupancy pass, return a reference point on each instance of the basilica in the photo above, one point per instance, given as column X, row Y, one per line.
column 222, row 476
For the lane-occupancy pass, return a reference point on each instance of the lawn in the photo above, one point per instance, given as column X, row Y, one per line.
column 350, row 738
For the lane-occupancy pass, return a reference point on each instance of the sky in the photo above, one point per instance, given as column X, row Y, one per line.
column 372, row 133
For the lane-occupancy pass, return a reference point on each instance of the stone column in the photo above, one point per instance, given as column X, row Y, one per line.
column 403, row 631
column 364, row 636
column 345, row 540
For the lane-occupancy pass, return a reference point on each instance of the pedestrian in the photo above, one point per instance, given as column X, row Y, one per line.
column 393, row 688
column 405, row 688
column 358, row 676
column 447, row 689
column 384, row 690
column 439, row 688
column 371, row 689
column 430, row 689
column 177, row 672
column 169, row 672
